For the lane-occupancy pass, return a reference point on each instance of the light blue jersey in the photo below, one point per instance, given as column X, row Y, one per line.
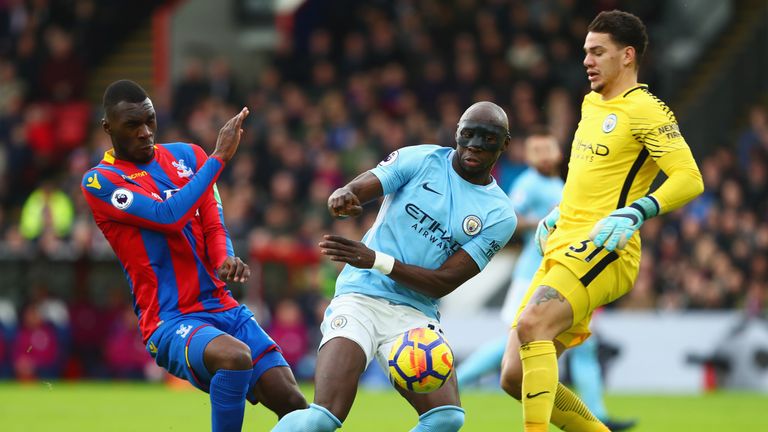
column 429, row 212
column 533, row 196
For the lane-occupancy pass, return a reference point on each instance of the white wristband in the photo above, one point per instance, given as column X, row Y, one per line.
column 383, row 263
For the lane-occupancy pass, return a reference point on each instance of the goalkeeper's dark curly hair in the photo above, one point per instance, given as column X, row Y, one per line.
column 625, row 29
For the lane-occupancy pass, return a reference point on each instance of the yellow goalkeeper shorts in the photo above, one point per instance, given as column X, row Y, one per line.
column 588, row 277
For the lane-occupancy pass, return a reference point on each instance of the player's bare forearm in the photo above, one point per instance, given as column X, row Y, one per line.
column 439, row 282
column 348, row 200
column 366, row 187
column 434, row 283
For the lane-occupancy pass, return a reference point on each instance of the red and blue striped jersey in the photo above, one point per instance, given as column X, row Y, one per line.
column 166, row 226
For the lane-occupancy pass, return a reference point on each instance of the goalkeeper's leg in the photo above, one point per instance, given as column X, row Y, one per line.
column 567, row 411
column 530, row 370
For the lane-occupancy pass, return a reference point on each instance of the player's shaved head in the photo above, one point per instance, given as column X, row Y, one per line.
column 486, row 112
column 481, row 121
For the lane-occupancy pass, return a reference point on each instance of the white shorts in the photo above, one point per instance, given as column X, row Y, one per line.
column 373, row 323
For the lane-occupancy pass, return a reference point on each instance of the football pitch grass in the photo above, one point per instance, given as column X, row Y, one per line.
column 118, row 407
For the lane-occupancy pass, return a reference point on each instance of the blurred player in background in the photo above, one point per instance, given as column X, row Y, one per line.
column 534, row 194
column 158, row 207
column 443, row 218
column 590, row 242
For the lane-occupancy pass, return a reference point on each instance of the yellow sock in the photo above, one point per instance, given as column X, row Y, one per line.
column 540, row 381
column 571, row 414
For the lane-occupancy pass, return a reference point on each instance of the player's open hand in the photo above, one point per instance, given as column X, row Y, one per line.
column 343, row 203
column 234, row 270
column 354, row 253
column 229, row 136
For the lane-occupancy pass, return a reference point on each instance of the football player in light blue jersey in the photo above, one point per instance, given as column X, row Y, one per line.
column 443, row 218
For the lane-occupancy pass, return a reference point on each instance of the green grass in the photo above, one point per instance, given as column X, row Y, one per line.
column 122, row 407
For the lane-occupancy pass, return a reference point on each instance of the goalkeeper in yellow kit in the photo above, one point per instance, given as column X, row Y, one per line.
column 590, row 243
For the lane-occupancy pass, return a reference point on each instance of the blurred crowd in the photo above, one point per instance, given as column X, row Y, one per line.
column 713, row 254
column 345, row 85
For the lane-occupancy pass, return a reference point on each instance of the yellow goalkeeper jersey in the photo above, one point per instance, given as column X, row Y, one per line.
column 618, row 149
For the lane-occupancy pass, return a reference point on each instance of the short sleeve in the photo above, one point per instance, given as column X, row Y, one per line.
column 490, row 240
column 401, row 165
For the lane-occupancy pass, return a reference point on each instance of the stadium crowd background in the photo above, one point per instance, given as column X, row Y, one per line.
column 335, row 98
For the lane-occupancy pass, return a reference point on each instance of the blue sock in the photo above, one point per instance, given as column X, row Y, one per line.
column 486, row 359
column 447, row 418
column 228, row 389
column 587, row 377
column 313, row 419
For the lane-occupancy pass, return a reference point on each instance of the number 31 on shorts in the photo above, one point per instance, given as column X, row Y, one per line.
column 584, row 251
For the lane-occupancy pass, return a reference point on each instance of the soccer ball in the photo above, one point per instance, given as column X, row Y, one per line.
column 420, row 361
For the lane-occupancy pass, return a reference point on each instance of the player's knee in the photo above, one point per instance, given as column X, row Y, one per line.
column 234, row 355
column 442, row 419
column 527, row 327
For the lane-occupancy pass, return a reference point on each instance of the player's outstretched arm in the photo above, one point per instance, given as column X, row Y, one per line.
column 456, row 270
column 348, row 200
column 118, row 200
column 122, row 201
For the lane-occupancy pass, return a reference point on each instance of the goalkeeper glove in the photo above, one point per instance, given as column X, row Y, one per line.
column 614, row 231
column 545, row 228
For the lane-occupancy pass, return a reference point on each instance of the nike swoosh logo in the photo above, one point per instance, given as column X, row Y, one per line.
column 426, row 187
column 568, row 254
column 531, row 396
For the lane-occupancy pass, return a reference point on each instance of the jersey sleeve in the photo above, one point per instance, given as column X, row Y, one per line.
column 121, row 200
column 656, row 128
column 218, row 244
column 491, row 239
column 683, row 181
column 400, row 166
